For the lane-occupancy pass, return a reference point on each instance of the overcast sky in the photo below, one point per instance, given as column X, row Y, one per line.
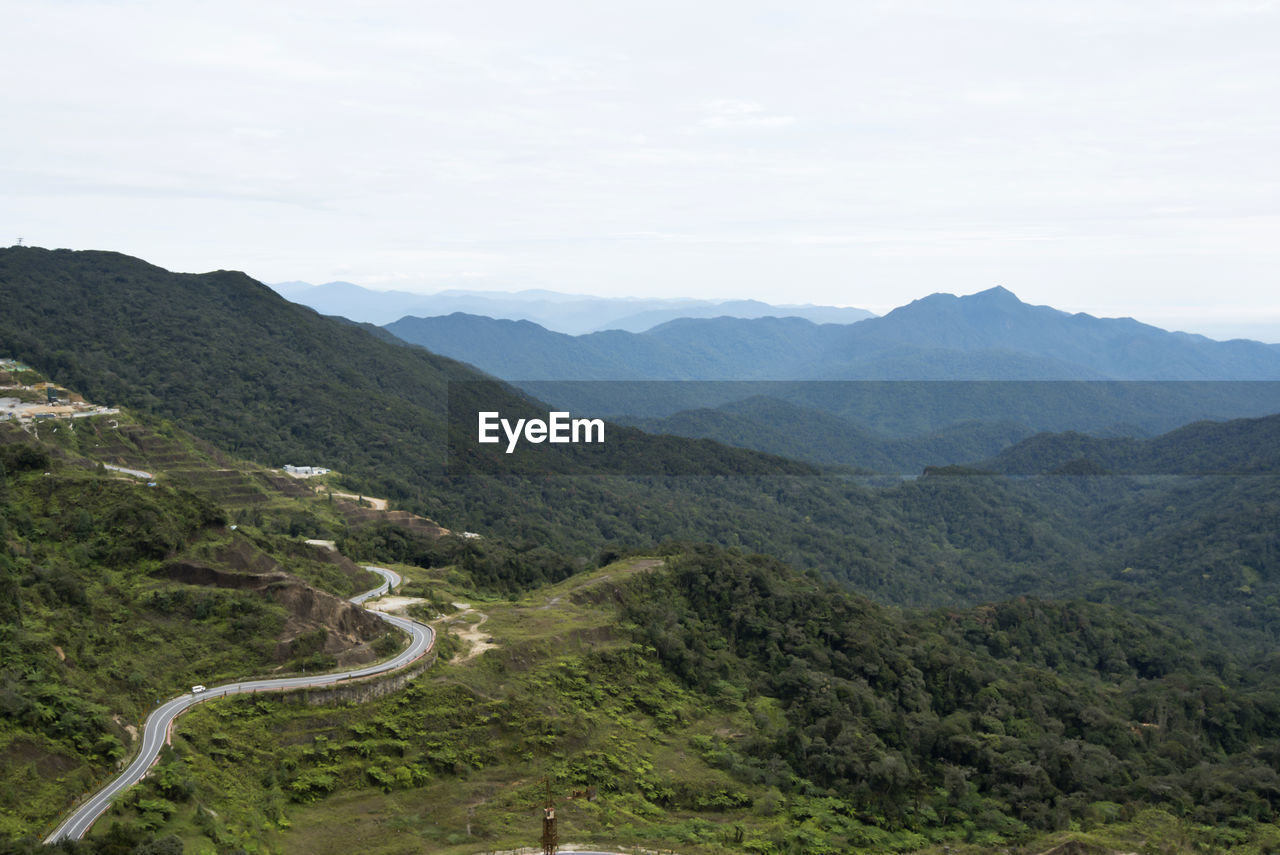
column 1119, row 158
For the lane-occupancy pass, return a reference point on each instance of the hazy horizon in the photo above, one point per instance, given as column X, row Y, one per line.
column 1207, row 328
column 1111, row 159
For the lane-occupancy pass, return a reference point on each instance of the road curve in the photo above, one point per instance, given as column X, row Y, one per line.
column 155, row 730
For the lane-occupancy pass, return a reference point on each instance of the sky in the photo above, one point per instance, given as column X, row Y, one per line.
column 1113, row 158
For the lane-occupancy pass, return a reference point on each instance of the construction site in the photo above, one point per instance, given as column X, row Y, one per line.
column 26, row 398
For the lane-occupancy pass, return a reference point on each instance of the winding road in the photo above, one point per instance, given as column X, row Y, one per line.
column 156, row 728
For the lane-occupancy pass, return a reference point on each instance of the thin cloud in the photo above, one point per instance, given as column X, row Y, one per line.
column 1069, row 151
column 733, row 115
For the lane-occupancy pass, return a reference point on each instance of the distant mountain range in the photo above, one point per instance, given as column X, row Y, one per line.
column 234, row 361
column 831, row 395
column 991, row 335
column 566, row 313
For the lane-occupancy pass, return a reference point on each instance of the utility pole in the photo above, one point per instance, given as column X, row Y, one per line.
column 550, row 837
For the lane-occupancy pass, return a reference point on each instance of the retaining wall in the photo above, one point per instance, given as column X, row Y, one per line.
column 364, row 689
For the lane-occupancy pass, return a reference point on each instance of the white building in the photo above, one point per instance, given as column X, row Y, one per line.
column 305, row 471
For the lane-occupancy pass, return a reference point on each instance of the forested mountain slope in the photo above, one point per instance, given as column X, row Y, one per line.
column 241, row 367
column 723, row 689
column 720, row 702
column 228, row 359
column 1236, row 447
column 902, row 427
column 224, row 356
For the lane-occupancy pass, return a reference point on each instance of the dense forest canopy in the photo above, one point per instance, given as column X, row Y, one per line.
column 977, row 654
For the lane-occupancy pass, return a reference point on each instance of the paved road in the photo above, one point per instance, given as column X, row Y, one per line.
column 156, row 728
column 136, row 473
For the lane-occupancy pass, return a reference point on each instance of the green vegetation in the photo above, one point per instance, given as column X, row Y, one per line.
column 1238, row 447
column 100, row 619
column 228, row 359
column 90, row 639
column 902, row 427
column 1023, row 712
column 118, row 840
column 727, row 704
column 1097, row 660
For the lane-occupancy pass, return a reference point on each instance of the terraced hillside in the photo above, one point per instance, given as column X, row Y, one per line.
column 121, row 589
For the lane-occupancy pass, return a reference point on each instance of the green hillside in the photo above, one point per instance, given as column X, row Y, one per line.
column 120, row 592
column 241, row 368
column 1236, row 447
column 717, row 702
column 222, row 356
column 226, row 358
column 1094, row 660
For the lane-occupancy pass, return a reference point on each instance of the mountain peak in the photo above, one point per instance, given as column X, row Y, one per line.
column 941, row 302
column 999, row 292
